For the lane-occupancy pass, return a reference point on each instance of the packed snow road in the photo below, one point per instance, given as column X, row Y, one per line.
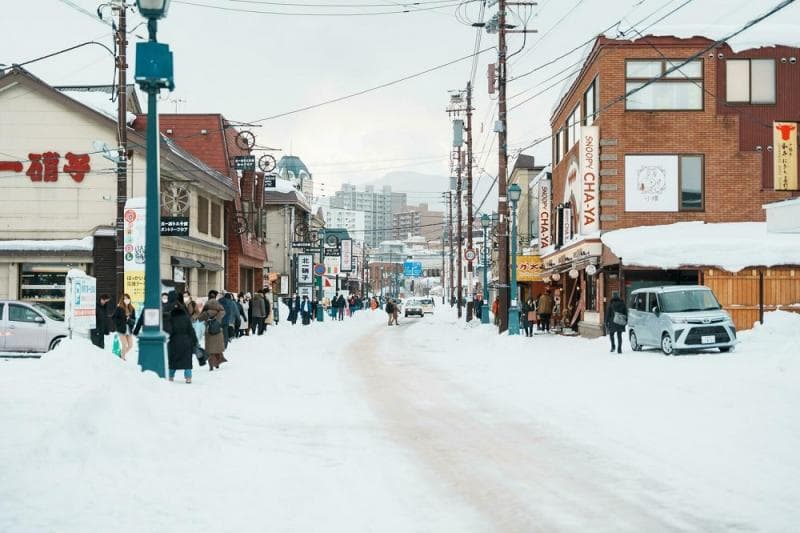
column 429, row 426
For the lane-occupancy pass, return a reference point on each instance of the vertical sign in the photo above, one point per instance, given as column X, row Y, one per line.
column 80, row 301
column 590, row 194
column 785, row 148
column 567, row 224
column 133, row 249
column 545, row 204
column 305, row 263
column 346, row 257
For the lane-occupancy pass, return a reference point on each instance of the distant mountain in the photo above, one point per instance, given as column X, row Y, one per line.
column 420, row 188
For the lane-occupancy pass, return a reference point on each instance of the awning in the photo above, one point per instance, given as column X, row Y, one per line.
column 210, row 266
column 185, row 262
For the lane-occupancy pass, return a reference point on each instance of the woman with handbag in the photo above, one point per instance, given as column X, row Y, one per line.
column 616, row 320
column 124, row 320
column 528, row 313
column 212, row 315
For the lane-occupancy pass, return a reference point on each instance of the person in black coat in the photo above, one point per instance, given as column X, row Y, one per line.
column 294, row 309
column 616, row 320
column 124, row 320
column 182, row 342
column 102, row 321
column 305, row 310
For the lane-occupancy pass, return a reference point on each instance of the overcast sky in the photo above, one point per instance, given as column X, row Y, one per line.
column 253, row 65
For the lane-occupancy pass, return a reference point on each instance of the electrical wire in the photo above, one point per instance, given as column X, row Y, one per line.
column 451, row 3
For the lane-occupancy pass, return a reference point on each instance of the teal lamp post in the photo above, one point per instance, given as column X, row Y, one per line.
column 153, row 73
column 514, row 193
column 320, row 290
column 485, row 223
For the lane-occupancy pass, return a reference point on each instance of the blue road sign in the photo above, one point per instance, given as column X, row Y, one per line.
column 412, row 269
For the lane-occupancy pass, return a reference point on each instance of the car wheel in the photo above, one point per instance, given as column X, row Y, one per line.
column 406, row 315
column 635, row 346
column 55, row 342
column 725, row 349
column 666, row 344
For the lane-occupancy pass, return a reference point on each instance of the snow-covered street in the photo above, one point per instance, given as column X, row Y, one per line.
column 430, row 426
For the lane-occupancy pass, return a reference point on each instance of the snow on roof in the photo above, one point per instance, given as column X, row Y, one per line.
column 99, row 101
column 731, row 246
column 85, row 244
column 761, row 35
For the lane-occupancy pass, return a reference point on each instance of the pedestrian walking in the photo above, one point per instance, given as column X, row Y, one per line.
column 102, row 322
column 544, row 308
column 213, row 314
column 258, row 313
column 270, row 308
column 340, row 305
column 305, row 310
column 389, row 307
column 528, row 316
column 244, row 307
column 616, row 320
column 496, row 310
column 124, row 320
column 294, row 309
column 182, row 341
column 231, row 316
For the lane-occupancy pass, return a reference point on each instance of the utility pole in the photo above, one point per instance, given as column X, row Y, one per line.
column 450, row 238
column 459, row 234
column 469, row 190
column 442, row 275
column 122, row 139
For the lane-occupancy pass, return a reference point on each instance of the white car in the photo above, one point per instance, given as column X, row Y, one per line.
column 413, row 306
column 30, row 327
column 427, row 304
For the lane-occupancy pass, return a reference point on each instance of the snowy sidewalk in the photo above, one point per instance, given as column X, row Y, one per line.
column 431, row 426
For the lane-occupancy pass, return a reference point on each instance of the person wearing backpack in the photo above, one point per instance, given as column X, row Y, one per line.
column 616, row 320
column 389, row 307
column 213, row 314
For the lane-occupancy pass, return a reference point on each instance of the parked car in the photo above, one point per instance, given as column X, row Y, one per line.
column 679, row 317
column 30, row 327
column 413, row 306
column 427, row 304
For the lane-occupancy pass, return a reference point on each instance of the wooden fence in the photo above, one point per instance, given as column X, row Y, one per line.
column 743, row 294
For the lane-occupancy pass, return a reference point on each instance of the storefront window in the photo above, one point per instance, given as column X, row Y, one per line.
column 44, row 284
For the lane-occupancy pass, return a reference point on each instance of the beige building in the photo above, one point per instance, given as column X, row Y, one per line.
column 58, row 207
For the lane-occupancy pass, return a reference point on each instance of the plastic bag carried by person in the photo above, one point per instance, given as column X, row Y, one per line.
column 116, row 347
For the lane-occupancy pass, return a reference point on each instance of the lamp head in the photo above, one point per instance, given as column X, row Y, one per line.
column 514, row 192
column 485, row 221
column 153, row 9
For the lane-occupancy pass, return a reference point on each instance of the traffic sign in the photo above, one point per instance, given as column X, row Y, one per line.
column 319, row 269
column 470, row 254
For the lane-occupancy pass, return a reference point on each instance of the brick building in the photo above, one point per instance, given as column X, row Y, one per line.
column 213, row 140
column 694, row 144
column 418, row 220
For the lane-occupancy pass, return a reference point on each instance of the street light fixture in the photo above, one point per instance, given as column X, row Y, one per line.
column 514, row 194
column 153, row 73
column 485, row 223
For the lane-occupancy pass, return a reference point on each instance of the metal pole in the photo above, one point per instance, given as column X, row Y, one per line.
column 442, row 275
column 485, row 303
column 470, row 220
column 320, row 290
column 513, row 311
column 122, row 154
column 502, row 174
column 450, row 239
column 152, row 338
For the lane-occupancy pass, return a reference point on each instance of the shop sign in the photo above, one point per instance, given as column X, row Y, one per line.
column 332, row 265
column 174, row 226
column 306, row 290
column 44, row 166
column 80, row 301
column 305, row 263
column 529, row 268
column 545, row 204
column 333, row 252
column 785, row 148
column 270, row 181
column 346, row 255
column 567, row 221
column 651, row 183
column 244, row 162
column 134, row 249
column 589, row 157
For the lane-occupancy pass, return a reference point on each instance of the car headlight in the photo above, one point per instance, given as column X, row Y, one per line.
column 678, row 320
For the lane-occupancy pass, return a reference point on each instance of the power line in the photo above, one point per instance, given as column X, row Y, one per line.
column 317, row 14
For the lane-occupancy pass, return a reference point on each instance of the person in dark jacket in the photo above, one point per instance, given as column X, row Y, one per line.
column 182, row 342
column 294, row 309
column 389, row 307
column 616, row 320
column 124, row 320
column 526, row 316
column 102, row 322
column 231, row 314
column 340, row 305
column 305, row 310
column 258, row 313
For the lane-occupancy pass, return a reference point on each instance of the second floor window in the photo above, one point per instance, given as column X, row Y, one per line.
column 216, row 220
column 679, row 90
column 574, row 126
column 590, row 104
column 750, row 81
column 202, row 214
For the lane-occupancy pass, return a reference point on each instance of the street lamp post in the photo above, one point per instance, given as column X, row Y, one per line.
column 153, row 73
column 485, row 223
column 320, row 284
column 514, row 193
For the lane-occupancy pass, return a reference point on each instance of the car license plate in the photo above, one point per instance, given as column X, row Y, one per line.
column 708, row 339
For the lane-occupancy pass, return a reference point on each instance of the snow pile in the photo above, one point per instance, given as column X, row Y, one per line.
column 85, row 244
column 761, row 35
column 731, row 246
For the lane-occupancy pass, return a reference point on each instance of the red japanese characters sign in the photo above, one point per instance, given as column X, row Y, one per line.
column 44, row 166
column 785, row 149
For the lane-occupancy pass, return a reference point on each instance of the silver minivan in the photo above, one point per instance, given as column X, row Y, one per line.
column 30, row 327
column 679, row 317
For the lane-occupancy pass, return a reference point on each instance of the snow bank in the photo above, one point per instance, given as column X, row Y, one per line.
column 764, row 34
column 730, row 246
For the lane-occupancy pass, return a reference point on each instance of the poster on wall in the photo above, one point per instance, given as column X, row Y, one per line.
column 305, row 262
column 784, row 145
column 590, row 187
column 567, row 221
column 545, row 203
column 134, row 250
column 651, row 183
